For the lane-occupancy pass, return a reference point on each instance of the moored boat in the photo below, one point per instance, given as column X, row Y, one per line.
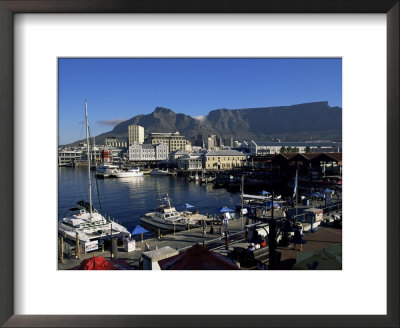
column 159, row 172
column 165, row 217
column 107, row 170
column 84, row 223
column 130, row 173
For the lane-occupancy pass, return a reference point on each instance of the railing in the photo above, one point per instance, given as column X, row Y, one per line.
column 213, row 244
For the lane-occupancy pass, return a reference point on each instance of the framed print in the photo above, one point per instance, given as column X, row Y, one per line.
column 35, row 35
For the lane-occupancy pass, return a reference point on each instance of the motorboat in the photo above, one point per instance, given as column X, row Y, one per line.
column 165, row 217
column 89, row 225
column 130, row 173
column 107, row 170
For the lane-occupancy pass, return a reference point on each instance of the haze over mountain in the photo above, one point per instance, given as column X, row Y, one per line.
column 301, row 122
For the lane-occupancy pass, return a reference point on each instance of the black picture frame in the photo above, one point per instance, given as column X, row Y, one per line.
column 10, row 7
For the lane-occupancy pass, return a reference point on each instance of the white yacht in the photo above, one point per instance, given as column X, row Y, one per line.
column 165, row 217
column 89, row 225
column 107, row 170
column 130, row 173
column 84, row 221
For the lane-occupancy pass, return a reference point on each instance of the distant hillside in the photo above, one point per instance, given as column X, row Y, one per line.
column 315, row 120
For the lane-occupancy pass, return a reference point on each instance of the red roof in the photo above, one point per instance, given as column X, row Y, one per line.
column 100, row 263
column 197, row 257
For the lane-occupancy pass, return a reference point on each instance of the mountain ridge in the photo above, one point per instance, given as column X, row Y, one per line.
column 316, row 120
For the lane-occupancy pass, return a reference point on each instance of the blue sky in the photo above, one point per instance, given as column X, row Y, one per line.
column 121, row 88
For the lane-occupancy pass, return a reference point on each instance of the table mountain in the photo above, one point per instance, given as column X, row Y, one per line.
column 315, row 120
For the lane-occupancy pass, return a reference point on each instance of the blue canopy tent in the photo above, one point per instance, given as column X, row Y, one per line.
column 265, row 192
column 188, row 206
column 269, row 204
column 327, row 190
column 317, row 195
column 139, row 230
column 224, row 209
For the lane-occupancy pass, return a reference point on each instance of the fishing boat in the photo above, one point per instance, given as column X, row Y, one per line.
column 130, row 173
column 165, row 217
column 83, row 222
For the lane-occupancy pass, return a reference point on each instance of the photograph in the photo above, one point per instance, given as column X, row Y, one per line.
column 182, row 163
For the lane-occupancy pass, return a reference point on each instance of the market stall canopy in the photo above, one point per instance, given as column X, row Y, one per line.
column 265, row 192
column 269, row 204
column 100, row 263
column 138, row 230
column 224, row 209
column 189, row 206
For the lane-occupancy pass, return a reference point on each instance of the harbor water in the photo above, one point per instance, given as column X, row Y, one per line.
column 125, row 199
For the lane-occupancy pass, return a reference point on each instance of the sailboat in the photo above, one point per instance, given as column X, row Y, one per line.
column 84, row 221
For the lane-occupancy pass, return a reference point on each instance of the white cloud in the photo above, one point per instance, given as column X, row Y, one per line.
column 111, row 122
column 200, row 118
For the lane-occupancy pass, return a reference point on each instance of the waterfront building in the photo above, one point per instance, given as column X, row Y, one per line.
column 226, row 159
column 68, row 156
column 313, row 165
column 174, row 155
column 95, row 154
column 148, row 152
column 103, row 154
column 266, row 148
column 116, row 142
column 195, row 149
column 135, row 134
column 174, row 141
column 191, row 162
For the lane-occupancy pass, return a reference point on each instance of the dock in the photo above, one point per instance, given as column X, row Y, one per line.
column 325, row 236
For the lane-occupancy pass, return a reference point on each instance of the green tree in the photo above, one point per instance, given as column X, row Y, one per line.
column 283, row 149
column 308, row 149
column 289, row 149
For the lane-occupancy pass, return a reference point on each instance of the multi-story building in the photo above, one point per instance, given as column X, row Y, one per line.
column 68, row 156
column 116, row 142
column 226, row 159
column 190, row 162
column 174, row 155
column 147, row 152
column 211, row 141
column 174, row 141
column 135, row 134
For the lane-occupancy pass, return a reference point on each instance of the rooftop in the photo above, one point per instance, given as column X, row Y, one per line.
column 224, row 152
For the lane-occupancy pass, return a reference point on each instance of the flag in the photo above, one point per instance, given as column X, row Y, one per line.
column 295, row 186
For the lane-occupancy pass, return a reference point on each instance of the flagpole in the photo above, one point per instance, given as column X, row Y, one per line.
column 295, row 191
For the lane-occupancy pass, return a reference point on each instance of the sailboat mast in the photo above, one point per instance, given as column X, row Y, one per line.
column 88, row 156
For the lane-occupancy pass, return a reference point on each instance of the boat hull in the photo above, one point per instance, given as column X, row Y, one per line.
column 166, row 226
column 129, row 175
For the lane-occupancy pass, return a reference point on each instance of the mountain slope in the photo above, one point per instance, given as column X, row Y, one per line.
column 298, row 122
